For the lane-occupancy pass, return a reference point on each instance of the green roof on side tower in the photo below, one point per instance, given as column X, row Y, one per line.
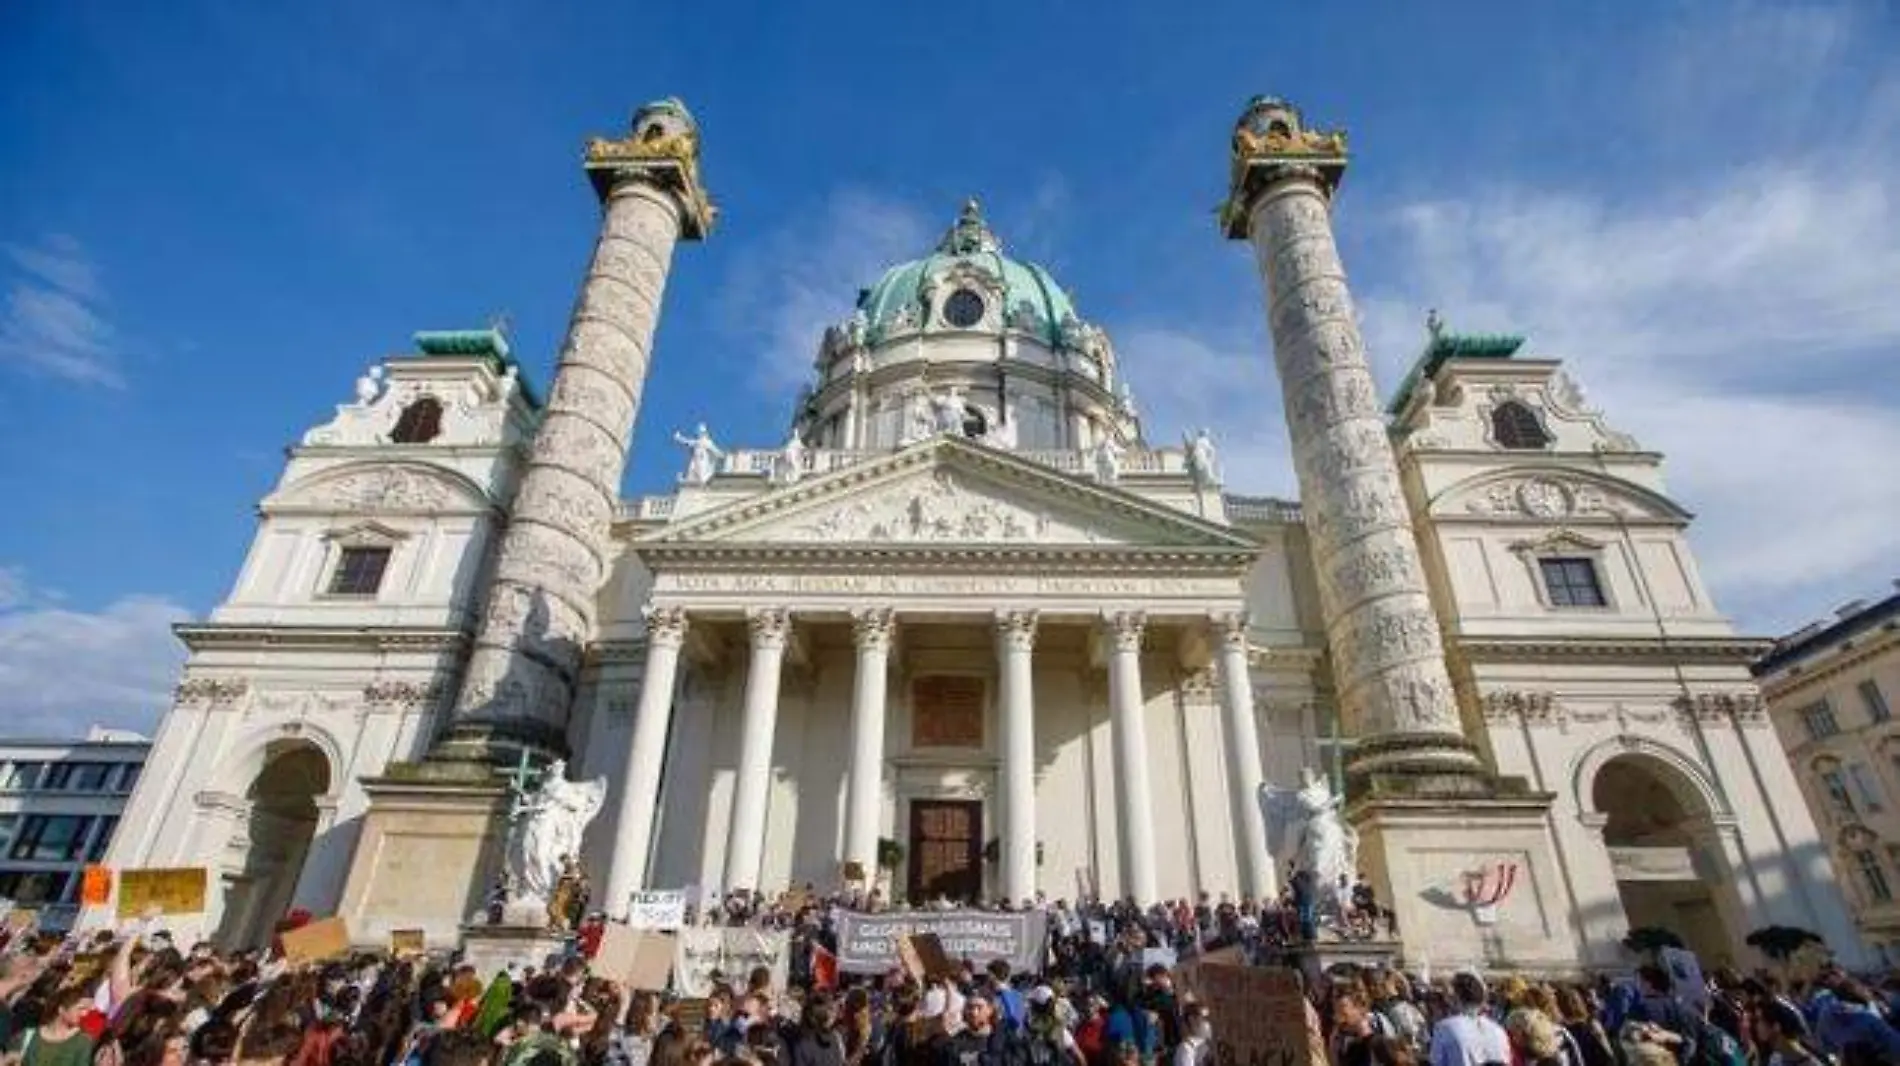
column 1445, row 345
column 1033, row 302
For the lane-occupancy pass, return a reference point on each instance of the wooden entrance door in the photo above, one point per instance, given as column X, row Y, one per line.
column 946, row 850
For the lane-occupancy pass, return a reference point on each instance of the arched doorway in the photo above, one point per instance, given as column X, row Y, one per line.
column 1669, row 868
column 278, row 830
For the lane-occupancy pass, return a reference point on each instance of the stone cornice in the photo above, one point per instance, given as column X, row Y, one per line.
column 946, row 557
column 207, row 635
column 1722, row 650
column 950, row 453
column 1283, row 657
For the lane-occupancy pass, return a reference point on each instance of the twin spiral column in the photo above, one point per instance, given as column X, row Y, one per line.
column 1394, row 690
column 521, row 677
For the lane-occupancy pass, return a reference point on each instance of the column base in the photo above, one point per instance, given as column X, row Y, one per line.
column 1408, row 763
column 499, row 743
column 1471, row 872
column 430, row 850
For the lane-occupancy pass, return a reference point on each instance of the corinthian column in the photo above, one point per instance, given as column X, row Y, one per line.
column 871, row 629
column 1015, row 640
column 640, row 790
column 746, row 844
column 539, row 611
column 1243, row 756
column 1393, row 688
column 1134, row 810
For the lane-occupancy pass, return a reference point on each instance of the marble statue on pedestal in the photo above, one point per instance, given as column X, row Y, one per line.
column 1305, row 826
column 546, row 835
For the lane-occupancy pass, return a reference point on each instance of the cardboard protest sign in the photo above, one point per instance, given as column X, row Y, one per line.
column 927, row 949
column 162, row 891
column 641, row 959
column 1259, row 1013
column 854, row 873
column 408, row 942
column 325, row 938
column 657, row 910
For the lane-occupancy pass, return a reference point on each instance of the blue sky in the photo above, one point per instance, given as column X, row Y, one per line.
column 217, row 214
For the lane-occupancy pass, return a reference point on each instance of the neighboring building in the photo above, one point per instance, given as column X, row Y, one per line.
column 60, row 801
column 1832, row 688
column 969, row 607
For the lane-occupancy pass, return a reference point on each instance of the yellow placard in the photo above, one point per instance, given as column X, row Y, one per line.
column 162, row 891
column 408, row 942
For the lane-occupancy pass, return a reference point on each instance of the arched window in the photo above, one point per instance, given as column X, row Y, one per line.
column 421, row 421
column 1514, row 425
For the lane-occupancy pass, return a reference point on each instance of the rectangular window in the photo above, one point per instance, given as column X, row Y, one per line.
column 30, row 888
column 128, row 776
column 1870, row 695
column 1873, row 876
column 9, row 824
column 77, row 777
column 51, row 838
column 1834, row 783
column 359, row 572
column 1572, row 582
column 1865, row 787
column 22, row 776
column 102, row 839
column 1819, row 720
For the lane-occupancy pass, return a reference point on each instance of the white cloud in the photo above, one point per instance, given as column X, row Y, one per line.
column 789, row 286
column 1183, row 382
column 62, row 670
column 53, row 321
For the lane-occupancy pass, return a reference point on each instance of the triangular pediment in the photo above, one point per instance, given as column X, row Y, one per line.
column 948, row 492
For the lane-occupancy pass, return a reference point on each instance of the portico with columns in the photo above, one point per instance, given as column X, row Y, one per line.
column 1027, row 680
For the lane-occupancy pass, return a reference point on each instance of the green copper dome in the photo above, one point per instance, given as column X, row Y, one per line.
column 1033, row 302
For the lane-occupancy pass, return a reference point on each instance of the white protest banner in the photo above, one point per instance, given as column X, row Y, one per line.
column 657, row 910
column 700, row 951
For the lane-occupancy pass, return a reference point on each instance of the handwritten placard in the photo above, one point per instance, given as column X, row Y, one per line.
column 162, row 891
column 408, row 942
column 1259, row 1013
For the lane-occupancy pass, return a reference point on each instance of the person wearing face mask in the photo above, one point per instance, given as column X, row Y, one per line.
column 58, row 1040
column 1044, row 1040
column 1197, row 1038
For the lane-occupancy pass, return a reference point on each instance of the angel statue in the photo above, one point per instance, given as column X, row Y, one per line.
column 700, row 455
column 547, row 833
column 1304, row 825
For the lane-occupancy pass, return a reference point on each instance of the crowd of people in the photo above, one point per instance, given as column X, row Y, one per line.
column 1098, row 999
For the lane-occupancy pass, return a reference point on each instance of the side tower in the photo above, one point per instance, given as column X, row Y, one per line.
column 1598, row 667
column 337, row 649
column 1428, row 809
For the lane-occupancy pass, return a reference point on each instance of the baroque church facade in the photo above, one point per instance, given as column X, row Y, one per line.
column 968, row 633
